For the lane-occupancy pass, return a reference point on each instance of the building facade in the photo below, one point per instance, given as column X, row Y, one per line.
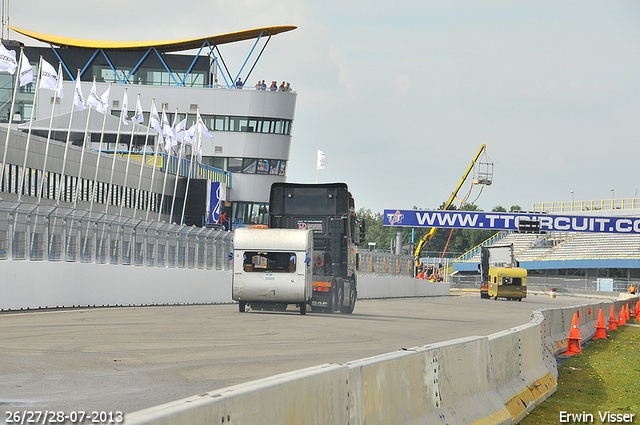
column 251, row 126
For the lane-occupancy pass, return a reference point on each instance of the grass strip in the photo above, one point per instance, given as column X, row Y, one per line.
column 604, row 380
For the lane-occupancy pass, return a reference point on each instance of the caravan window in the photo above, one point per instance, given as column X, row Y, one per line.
column 269, row 262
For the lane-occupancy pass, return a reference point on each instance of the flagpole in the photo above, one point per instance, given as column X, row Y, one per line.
column 46, row 149
column 317, row 167
column 175, row 186
column 186, row 190
column 153, row 171
column 126, row 168
column 63, row 180
column 84, row 142
column 13, row 102
column 144, row 161
column 95, row 178
column 26, row 148
column 166, row 169
column 113, row 160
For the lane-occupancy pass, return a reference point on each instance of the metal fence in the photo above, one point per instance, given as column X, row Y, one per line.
column 50, row 233
column 545, row 283
column 384, row 264
column 32, row 233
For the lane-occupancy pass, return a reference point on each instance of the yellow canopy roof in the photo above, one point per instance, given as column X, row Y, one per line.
column 161, row 46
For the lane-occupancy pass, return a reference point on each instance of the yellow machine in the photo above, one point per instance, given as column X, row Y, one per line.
column 507, row 282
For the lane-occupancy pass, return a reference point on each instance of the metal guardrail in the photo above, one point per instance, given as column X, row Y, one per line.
column 29, row 232
column 385, row 264
column 49, row 233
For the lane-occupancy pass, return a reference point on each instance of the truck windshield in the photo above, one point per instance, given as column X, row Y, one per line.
column 269, row 262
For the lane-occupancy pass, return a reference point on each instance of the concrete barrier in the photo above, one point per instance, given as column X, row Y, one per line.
column 399, row 287
column 476, row 380
column 47, row 284
column 43, row 284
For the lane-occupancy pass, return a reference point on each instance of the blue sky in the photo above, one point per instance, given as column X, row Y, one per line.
column 400, row 96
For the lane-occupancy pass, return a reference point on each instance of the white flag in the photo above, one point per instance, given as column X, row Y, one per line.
column 190, row 135
column 48, row 76
column 199, row 157
column 138, row 117
column 7, row 60
column 179, row 129
column 26, row 71
column 104, row 101
column 125, row 109
column 78, row 99
column 93, row 99
column 154, row 119
column 322, row 160
column 167, row 132
column 203, row 128
column 60, row 85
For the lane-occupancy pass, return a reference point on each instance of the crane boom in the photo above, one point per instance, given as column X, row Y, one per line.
column 426, row 238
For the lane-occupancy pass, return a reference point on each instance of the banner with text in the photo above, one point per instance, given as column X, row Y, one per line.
column 511, row 221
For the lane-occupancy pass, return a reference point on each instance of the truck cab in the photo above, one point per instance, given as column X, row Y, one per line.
column 328, row 210
column 507, row 282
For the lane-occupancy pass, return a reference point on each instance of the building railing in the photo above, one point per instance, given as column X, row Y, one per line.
column 181, row 167
column 593, row 205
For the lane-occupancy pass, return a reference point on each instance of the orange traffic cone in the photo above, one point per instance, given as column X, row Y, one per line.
column 622, row 319
column 612, row 320
column 601, row 330
column 574, row 338
column 626, row 311
column 638, row 310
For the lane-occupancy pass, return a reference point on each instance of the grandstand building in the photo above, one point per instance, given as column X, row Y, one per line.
column 591, row 261
column 252, row 127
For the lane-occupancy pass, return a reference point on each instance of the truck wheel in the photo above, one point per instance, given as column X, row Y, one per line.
column 241, row 306
column 303, row 309
column 348, row 309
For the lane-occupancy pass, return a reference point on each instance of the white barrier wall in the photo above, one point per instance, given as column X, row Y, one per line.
column 399, row 287
column 476, row 380
column 45, row 284
column 42, row 284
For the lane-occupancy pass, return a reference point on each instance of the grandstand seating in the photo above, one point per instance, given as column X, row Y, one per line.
column 566, row 246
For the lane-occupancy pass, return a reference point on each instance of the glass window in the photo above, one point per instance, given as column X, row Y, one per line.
column 234, row 124
column 244, row 125
column 235, row 165
column 278, row 129
column 284, row 262
column 273, row 166
column 221, row 123
column 219, row 163
column 283, row 166
column 249, row 166
column 263, row 166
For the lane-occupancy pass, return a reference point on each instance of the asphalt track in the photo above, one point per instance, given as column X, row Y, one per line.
column 127, row 359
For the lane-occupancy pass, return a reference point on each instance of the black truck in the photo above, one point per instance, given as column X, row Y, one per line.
column 328, row 209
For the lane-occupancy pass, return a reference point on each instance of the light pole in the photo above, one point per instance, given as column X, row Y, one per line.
column 572, row 199
column 613, row 196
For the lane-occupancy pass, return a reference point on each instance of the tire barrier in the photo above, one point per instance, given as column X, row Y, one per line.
column 496, row 379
